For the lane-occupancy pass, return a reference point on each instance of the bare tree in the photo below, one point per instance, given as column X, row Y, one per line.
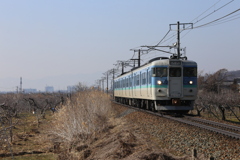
column 213, row 82
column 9, row 110
column 217, row 104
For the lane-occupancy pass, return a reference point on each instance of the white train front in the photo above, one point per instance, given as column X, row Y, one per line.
column 162, row 84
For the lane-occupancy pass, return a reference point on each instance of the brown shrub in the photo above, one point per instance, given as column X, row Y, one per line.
column 85, row 114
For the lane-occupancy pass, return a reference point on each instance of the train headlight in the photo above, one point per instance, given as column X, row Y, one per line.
column 190, row 82
column 159, row 82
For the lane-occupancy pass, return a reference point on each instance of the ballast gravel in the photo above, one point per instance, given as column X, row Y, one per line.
column 182, row 139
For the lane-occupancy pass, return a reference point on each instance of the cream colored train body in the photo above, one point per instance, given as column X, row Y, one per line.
column 162, row 84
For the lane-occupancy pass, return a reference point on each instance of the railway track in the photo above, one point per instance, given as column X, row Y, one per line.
column 222, row 125
column 197, row 122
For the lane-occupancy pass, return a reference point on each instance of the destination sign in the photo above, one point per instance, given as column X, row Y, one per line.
column 175, row 62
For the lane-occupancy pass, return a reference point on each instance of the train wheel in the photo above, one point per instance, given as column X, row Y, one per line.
column 152, row 107
column 148, row 106
column 139, row 104
column 142, row 104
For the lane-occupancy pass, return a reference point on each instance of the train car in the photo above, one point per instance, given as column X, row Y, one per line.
column 162, row 84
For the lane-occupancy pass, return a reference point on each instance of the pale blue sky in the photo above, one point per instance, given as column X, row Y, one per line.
column 81, row 39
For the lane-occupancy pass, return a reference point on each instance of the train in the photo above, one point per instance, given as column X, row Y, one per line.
column 165, row 84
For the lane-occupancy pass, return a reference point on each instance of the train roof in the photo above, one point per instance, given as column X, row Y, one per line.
column 160, row 61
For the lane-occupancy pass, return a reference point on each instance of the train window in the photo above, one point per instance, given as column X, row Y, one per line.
column 134, row 80
column 149, row 77
column 144, row 78
column 138, row 80
column 159, row 72
column 175, row 72
column 130, row 82
column 190, row 72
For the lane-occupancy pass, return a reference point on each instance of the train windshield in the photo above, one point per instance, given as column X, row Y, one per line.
column 159, row 72
column 175, row 72
column 190, row 72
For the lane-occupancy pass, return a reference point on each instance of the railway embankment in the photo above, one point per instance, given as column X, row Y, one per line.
column 182, row 139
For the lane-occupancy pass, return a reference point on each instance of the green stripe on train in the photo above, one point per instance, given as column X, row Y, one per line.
column 154, row 86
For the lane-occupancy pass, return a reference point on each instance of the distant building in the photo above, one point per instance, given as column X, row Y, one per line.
column 71, row 89
column 29, row 90
column 49, row 89
column 236, row 81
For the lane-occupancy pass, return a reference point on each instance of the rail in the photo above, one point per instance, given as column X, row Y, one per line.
column 199, row 125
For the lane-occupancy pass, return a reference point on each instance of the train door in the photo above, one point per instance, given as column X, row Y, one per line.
column 140, row 83
column 149, row 83
column 131, row 85
column 135, row 85
column 126, row 85
column 175, row 82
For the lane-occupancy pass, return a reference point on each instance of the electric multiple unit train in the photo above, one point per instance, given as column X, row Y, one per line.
column 162, row 84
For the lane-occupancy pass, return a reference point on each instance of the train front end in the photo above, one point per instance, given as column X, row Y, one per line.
column 176, row 85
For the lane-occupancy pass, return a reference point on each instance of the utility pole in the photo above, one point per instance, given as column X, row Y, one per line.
column 103, row 84
column 139, row 56
column 138, row 59
column 122, row 67
column 20, row 89
column 107, row 82
column 113, row 84
column 103, row 78
column 178, row 35
column 106, row 74
column 122, row 63
column 178, row 40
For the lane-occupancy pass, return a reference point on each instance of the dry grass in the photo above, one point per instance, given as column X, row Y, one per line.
column 85, row 114
column 29, row 140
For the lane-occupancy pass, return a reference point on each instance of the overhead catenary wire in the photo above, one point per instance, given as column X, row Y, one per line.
column 214, row 11
column 169, row 37
column 200, row 19
column 163, row 37
column 225, row 20
column 207, row 15
column 174, row 35
column 217, row 19
column 206, row 11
